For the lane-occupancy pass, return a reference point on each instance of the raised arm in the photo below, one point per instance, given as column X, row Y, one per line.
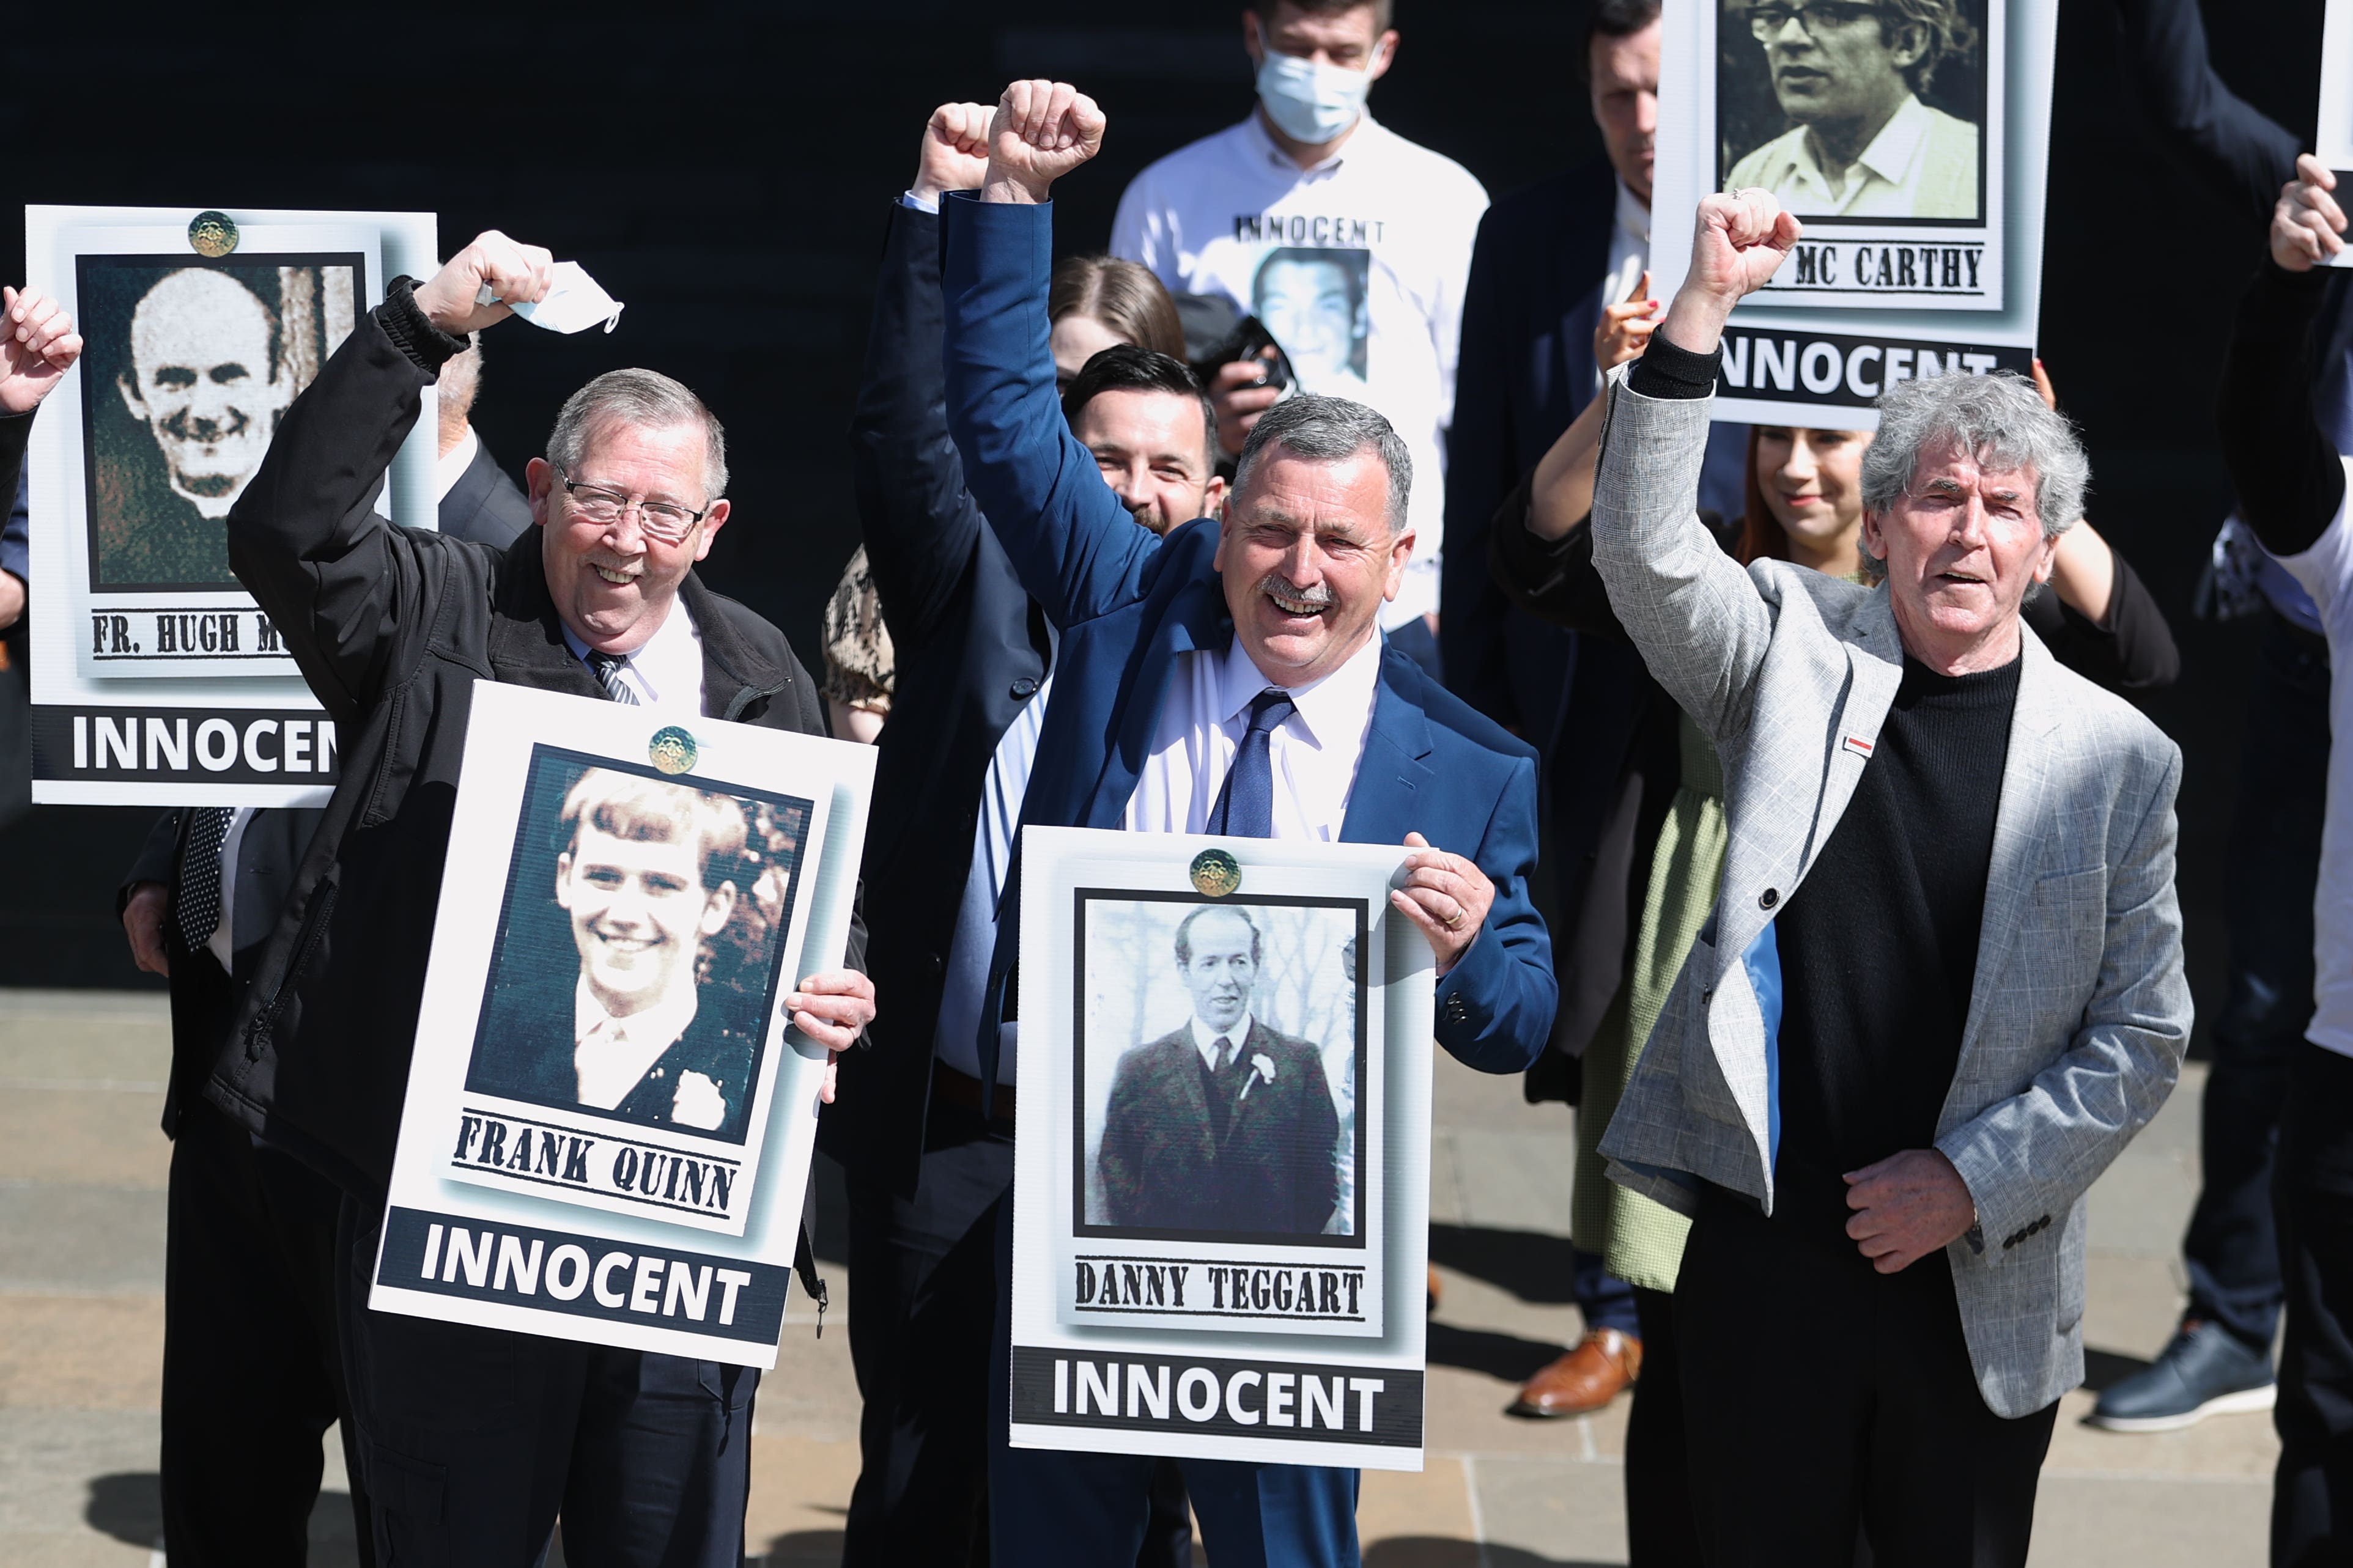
column 38, row 345
column 2291, row 480
column 1076, row 548
column 338, row 581
column 919, row 522
column 2232, row 143
column 1696, row 615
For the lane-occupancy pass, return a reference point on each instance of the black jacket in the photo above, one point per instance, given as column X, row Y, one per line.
column 1163, row 1168
column 1631, row 757
column 484, row 505
column 971, row 650
column 392, row 627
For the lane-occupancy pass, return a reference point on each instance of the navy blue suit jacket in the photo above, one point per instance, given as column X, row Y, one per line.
column 1128, row 602
column 1527, row 371
column 970, row 650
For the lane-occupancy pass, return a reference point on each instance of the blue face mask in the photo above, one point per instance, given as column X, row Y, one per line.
column 1310, row 102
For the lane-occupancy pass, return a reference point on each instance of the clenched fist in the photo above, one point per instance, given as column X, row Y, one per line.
column 1742, row 238
column 516, row 275
column 2308, row 226
column 1043, row 129
column 38, row 346
column 955, row 151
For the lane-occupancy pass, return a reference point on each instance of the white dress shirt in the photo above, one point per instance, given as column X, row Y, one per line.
column 667, row 673
column 1923, row 163
column 612, row 1054
column 1314, row 750
column 451, row 466
column 1211, row 1042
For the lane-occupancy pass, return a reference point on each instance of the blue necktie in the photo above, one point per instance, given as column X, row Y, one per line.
column 607, row 668
column 1245, row 807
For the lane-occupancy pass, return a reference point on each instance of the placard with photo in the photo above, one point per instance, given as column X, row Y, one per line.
column 1222, row 1186
column 1909, row 137
column 603, row 1060
column 156, row 679
column 2333, row 141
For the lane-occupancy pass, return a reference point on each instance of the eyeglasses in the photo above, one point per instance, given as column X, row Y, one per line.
column 1766, row 20
column 665, row 521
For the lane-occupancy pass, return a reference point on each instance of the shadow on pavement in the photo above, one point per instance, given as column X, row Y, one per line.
column 1533, row 1266
column 1507, row 1356
column 2104, row 1369
column 801, row 1548
column 129, row 1508
column 1436, row 1551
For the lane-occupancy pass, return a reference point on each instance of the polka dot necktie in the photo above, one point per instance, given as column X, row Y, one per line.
column 199, row 894
column 1245, row 807
column 607, row 668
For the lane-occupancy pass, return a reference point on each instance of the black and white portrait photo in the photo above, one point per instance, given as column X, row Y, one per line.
column 1219, row 1069
column 190, row 366
column 1856, row 109
column 639, row 946
column 1312, row 301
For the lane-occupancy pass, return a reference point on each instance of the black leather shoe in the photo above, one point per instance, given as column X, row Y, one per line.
column 2206, row 1371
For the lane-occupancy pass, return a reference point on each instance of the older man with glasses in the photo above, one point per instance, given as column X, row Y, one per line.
column 472, row 1439
column 1850, row 74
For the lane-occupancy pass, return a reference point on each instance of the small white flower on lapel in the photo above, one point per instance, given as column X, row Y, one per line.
column 698, row 1102
column 1265, row 1064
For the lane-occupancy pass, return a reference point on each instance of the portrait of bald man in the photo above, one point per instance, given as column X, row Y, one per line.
column 195, row 365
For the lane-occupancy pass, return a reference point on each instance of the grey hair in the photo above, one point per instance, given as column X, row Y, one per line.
column 1998, row 419
column 1331, row 430
column 461, row 379
column 644, row 397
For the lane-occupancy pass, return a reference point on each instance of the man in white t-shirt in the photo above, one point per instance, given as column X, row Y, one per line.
column 1350, row 243
column 2293, row 483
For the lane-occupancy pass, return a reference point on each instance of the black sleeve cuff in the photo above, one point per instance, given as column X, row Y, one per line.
column 428, row 346
column 1666, row 371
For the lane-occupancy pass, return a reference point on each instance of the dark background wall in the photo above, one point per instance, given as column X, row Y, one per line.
column 724, row 166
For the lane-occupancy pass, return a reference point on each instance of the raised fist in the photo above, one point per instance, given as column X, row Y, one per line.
column 38, row 346
column 955, row 150
column 2308, row 226
column 1043, row 129
column 516, row 275
column 1743, row 237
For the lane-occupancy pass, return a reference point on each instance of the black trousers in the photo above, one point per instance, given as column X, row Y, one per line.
column 2232, row 1251
column 2312, row 1499
column 251, row 1376
column 1807, row 1375
column 923, row 1308
column 1659, row 1530
column 474, row 1439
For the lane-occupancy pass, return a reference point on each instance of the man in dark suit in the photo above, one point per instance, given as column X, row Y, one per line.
column 1551, row 260
column 1222, row 1124
column 472, row 1439
column 643, row 880
column 479, row 501
column 1190, row 665
column 926, row 1154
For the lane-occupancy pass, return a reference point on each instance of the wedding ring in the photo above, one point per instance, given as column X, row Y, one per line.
column 1454, row 920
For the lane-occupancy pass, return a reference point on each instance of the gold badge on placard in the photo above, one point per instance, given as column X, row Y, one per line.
column 1216, row 873
column 673, row 750
column 211, row 234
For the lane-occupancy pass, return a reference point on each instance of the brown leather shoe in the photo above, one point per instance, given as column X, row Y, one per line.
column 1588, row 1377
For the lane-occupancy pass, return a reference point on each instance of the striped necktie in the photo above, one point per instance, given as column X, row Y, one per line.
column 607, row 668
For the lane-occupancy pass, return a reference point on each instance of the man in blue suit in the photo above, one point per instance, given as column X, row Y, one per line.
column 1228, row 677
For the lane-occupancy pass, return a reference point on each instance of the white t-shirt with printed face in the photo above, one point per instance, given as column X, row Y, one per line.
column 1357, row 267
column 2327, row 573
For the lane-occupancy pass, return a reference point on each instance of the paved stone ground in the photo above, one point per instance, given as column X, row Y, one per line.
column 81, row 1246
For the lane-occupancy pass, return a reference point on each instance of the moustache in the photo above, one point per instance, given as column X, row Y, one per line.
column 178, row 425
column 1274, row 585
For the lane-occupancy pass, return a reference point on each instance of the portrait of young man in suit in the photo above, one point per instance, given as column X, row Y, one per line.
column 646, row 875
column 1223, row 1124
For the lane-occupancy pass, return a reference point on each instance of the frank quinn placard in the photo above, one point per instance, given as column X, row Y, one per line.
column 1218, row 1184
column 202, row 328
column 630, row 992
column 610, row 1118
column 1876, row 123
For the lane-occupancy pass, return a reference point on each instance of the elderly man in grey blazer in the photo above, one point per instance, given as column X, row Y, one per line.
column 1958, row 857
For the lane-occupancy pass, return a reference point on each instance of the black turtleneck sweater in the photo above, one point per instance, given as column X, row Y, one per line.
column 1879, row 946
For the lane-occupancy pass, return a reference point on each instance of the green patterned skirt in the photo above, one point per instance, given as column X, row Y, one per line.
column 1642, row 1241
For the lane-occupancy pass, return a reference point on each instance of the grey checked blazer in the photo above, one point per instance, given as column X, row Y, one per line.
column 2080, row 1010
